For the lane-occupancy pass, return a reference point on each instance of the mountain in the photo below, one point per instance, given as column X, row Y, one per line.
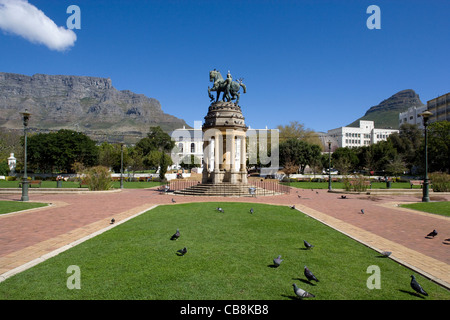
column 86, row 104
column 385, row 114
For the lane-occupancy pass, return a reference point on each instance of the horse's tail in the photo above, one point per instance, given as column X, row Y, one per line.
column 243, row 86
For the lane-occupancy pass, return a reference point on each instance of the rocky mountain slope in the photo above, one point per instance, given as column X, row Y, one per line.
column 87, row 104
column 385, row 114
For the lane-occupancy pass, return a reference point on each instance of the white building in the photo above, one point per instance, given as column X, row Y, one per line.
column 364, row 135
column 412, row 116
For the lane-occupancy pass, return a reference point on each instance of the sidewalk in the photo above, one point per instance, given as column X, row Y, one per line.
column 27, row 238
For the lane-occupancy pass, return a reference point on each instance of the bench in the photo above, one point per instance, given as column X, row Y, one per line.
column 416, row 183
column 32, row 182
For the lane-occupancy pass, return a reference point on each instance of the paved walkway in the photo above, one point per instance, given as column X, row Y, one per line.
column 29, row 237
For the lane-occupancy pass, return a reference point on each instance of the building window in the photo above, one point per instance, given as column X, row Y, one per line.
column 192, row 147
column 180, row 146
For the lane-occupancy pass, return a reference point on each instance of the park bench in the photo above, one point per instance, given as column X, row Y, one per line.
column 416, row 183
column 32, row 182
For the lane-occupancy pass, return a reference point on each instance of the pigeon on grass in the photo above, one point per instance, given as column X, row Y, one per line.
column 302, row 293
column 220, row 209
column 417, row 287
column 251, row 210
column 182, row 252
column 309, row 275
column 307, row 244
column 176, row 235
column 277, row 261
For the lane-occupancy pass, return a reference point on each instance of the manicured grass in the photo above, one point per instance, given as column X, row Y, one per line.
column 229, row 257
column 72, row 184
column 136, row 184
column 12, row 206
column 442, row 208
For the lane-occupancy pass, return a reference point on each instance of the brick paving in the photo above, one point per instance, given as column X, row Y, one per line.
column 28, row 237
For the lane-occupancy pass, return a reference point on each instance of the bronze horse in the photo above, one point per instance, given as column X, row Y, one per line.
column 221, row 85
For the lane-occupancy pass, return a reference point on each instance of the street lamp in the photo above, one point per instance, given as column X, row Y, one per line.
column 26, row 117
column 329, row 165
column 425, row 197
column 121, row 165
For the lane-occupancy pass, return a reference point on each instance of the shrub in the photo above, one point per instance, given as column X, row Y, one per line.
column 98, row 178
column 356, row 183
column 440, row 181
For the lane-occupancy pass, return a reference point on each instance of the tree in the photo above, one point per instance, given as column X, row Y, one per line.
column 58, row 151
column 110, row 156
column 189, row 162
column 296, row 130
column 345, row 159
column 156, row 141
column 299, row 153
column 407, row 141
column 438, row 146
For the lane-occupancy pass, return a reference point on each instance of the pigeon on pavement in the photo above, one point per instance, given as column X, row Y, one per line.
column 386, row 253
column 277, row 261
column 362, row 211
column 307, row 244
column 302, row 293
column 417, row 287
column 309, row 275
column 182, row 252
column 176, row 235
column 173, row 200
column 293, row 207
column 113, row 220
column 432, row 234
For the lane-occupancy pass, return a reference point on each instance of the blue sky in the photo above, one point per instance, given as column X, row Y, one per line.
column 313, row 61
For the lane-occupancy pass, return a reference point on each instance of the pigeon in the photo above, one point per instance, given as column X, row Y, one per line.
column 343, row 197
column 309, row 275
column 416, row 286
column 251, row 210
column 182, row 252
column 299, row 196
column 277, row 261
column 113, row 220
column 176, row 235
column 362, row 211
column 220, row 209
column 173, row 200
column 293, row 207
column 307, row 244
column 386, row 253
column 432, row 234
column 302, row 293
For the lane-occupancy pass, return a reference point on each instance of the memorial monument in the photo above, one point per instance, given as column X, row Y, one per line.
column 224, row 130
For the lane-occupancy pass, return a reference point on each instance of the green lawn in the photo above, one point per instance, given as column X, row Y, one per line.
column 12, row 206
column 442, row 208
column 229, row 258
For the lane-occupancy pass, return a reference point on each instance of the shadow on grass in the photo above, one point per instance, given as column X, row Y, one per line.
column 412, row 293
column 304, row 281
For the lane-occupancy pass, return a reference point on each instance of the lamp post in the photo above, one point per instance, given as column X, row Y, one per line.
column 121, row 165
column 329, row 165
column 26, row 117
column 425, row 197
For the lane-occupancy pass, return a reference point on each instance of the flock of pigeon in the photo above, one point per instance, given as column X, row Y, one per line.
column 299, row 292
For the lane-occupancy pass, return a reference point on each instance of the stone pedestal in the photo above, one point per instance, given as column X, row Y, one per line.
column 224, row 143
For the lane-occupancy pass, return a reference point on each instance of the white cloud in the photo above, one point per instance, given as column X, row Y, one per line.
column 22, row 18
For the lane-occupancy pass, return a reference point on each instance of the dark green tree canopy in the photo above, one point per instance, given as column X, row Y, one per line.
column 58, row 151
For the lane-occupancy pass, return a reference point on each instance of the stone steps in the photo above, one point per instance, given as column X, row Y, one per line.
column 224, row 190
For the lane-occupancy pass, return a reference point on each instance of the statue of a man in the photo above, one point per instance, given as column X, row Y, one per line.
column 228, row 81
